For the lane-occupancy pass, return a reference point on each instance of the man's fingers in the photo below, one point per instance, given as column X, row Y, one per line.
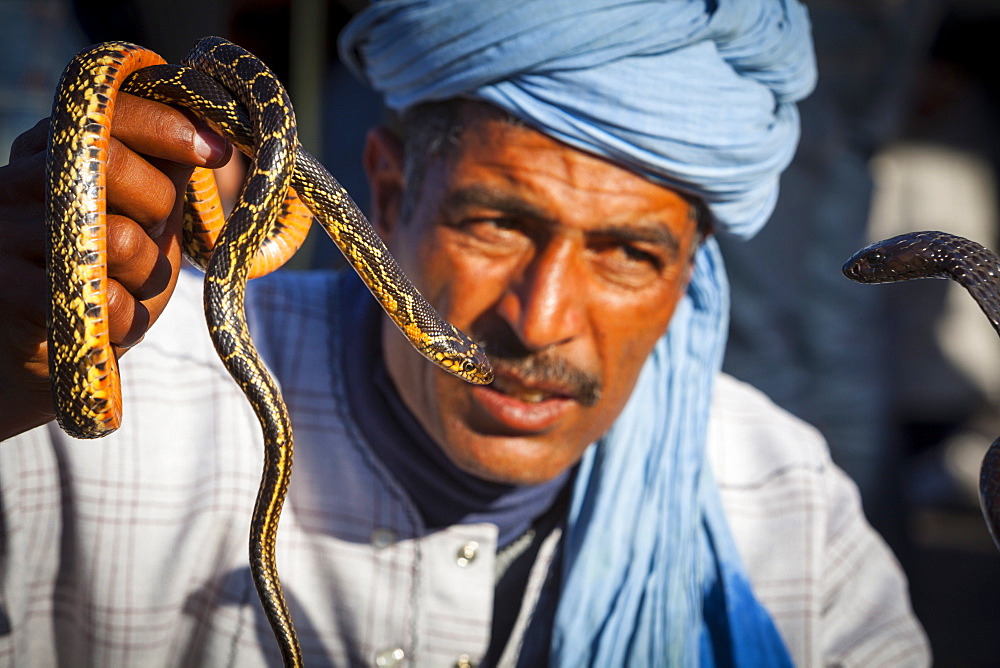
column 138, row 271
column 149, row 128
column 143, row 274
column 24, row 282
column 159, row 131
column 30, row 142
column 23, row 237
column 152, row 146
column 23, row 180
column 134, row 260
column 150, row 157
column 128, row 317
column 139, row 190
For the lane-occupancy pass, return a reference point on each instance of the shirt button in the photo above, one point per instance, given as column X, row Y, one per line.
column 464, row 661
column 381, row 538
column 390, row 657
column 467, row 553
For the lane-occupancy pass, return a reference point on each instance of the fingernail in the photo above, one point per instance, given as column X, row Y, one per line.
column 209, row 146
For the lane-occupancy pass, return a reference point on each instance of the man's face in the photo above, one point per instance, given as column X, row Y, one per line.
column 566, row 267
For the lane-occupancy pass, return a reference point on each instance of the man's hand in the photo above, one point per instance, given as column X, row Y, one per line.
column 152, row 153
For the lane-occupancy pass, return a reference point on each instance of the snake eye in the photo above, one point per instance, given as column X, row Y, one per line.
column 876, row 258
column 468, row 367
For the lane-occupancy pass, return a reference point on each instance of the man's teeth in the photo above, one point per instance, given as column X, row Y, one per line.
column 528, row 395
column 531, row 396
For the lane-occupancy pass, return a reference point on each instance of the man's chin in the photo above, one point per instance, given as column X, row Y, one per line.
column 506, row 459
column 503, row 438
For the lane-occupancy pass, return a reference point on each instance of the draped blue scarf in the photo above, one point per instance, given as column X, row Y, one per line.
column 695, row 94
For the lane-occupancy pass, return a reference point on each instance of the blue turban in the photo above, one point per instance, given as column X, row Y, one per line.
column 695, row 94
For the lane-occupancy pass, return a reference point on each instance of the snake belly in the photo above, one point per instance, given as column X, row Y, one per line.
column 82, row 365
column 976, row 268
column 252, row 110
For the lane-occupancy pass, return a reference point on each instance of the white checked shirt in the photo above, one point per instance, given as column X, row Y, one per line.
column 132, row 550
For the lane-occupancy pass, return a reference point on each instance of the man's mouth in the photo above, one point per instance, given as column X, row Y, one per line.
column 529, row 394
column 534, row 378
column 524, row 411
column 523, row 407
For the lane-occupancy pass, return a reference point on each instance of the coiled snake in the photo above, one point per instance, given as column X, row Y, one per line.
column 974, row 267
column 242, row 100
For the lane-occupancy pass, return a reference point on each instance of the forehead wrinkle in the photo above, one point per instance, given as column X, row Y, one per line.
column 488, row 197
column 651, row 231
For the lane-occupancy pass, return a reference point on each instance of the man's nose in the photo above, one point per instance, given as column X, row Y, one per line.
column 544, row 303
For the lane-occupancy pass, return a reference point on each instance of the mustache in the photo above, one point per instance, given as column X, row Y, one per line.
column 544, row 367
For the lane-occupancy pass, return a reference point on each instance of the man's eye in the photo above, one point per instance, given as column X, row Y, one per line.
column 628, row 264
column 638, row 255
column 490, row 234
column 496, row 223
column 499, row 230
column 629, row 254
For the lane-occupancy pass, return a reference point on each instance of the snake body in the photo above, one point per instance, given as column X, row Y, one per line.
column 971, row 265
column 239, row 97
column 340, row 217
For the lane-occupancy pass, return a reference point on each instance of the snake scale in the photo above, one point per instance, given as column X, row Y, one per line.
column 239, row 97
column 971, row 265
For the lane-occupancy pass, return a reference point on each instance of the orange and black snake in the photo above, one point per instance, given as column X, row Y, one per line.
column 239, row 97
column 973, row 266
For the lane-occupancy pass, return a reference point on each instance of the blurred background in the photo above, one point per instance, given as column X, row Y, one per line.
column 904, row 379
column 900, row 135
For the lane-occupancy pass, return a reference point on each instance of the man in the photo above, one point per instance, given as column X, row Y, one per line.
column 559, row 167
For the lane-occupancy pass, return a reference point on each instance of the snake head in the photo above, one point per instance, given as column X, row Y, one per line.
column 459, row 355
column 865, row 265
column 471, row 364
column 900, row 258
column 476, row 368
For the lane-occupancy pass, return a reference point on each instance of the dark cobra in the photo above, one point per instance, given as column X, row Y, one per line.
column 974, row 267
column 239, row 97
